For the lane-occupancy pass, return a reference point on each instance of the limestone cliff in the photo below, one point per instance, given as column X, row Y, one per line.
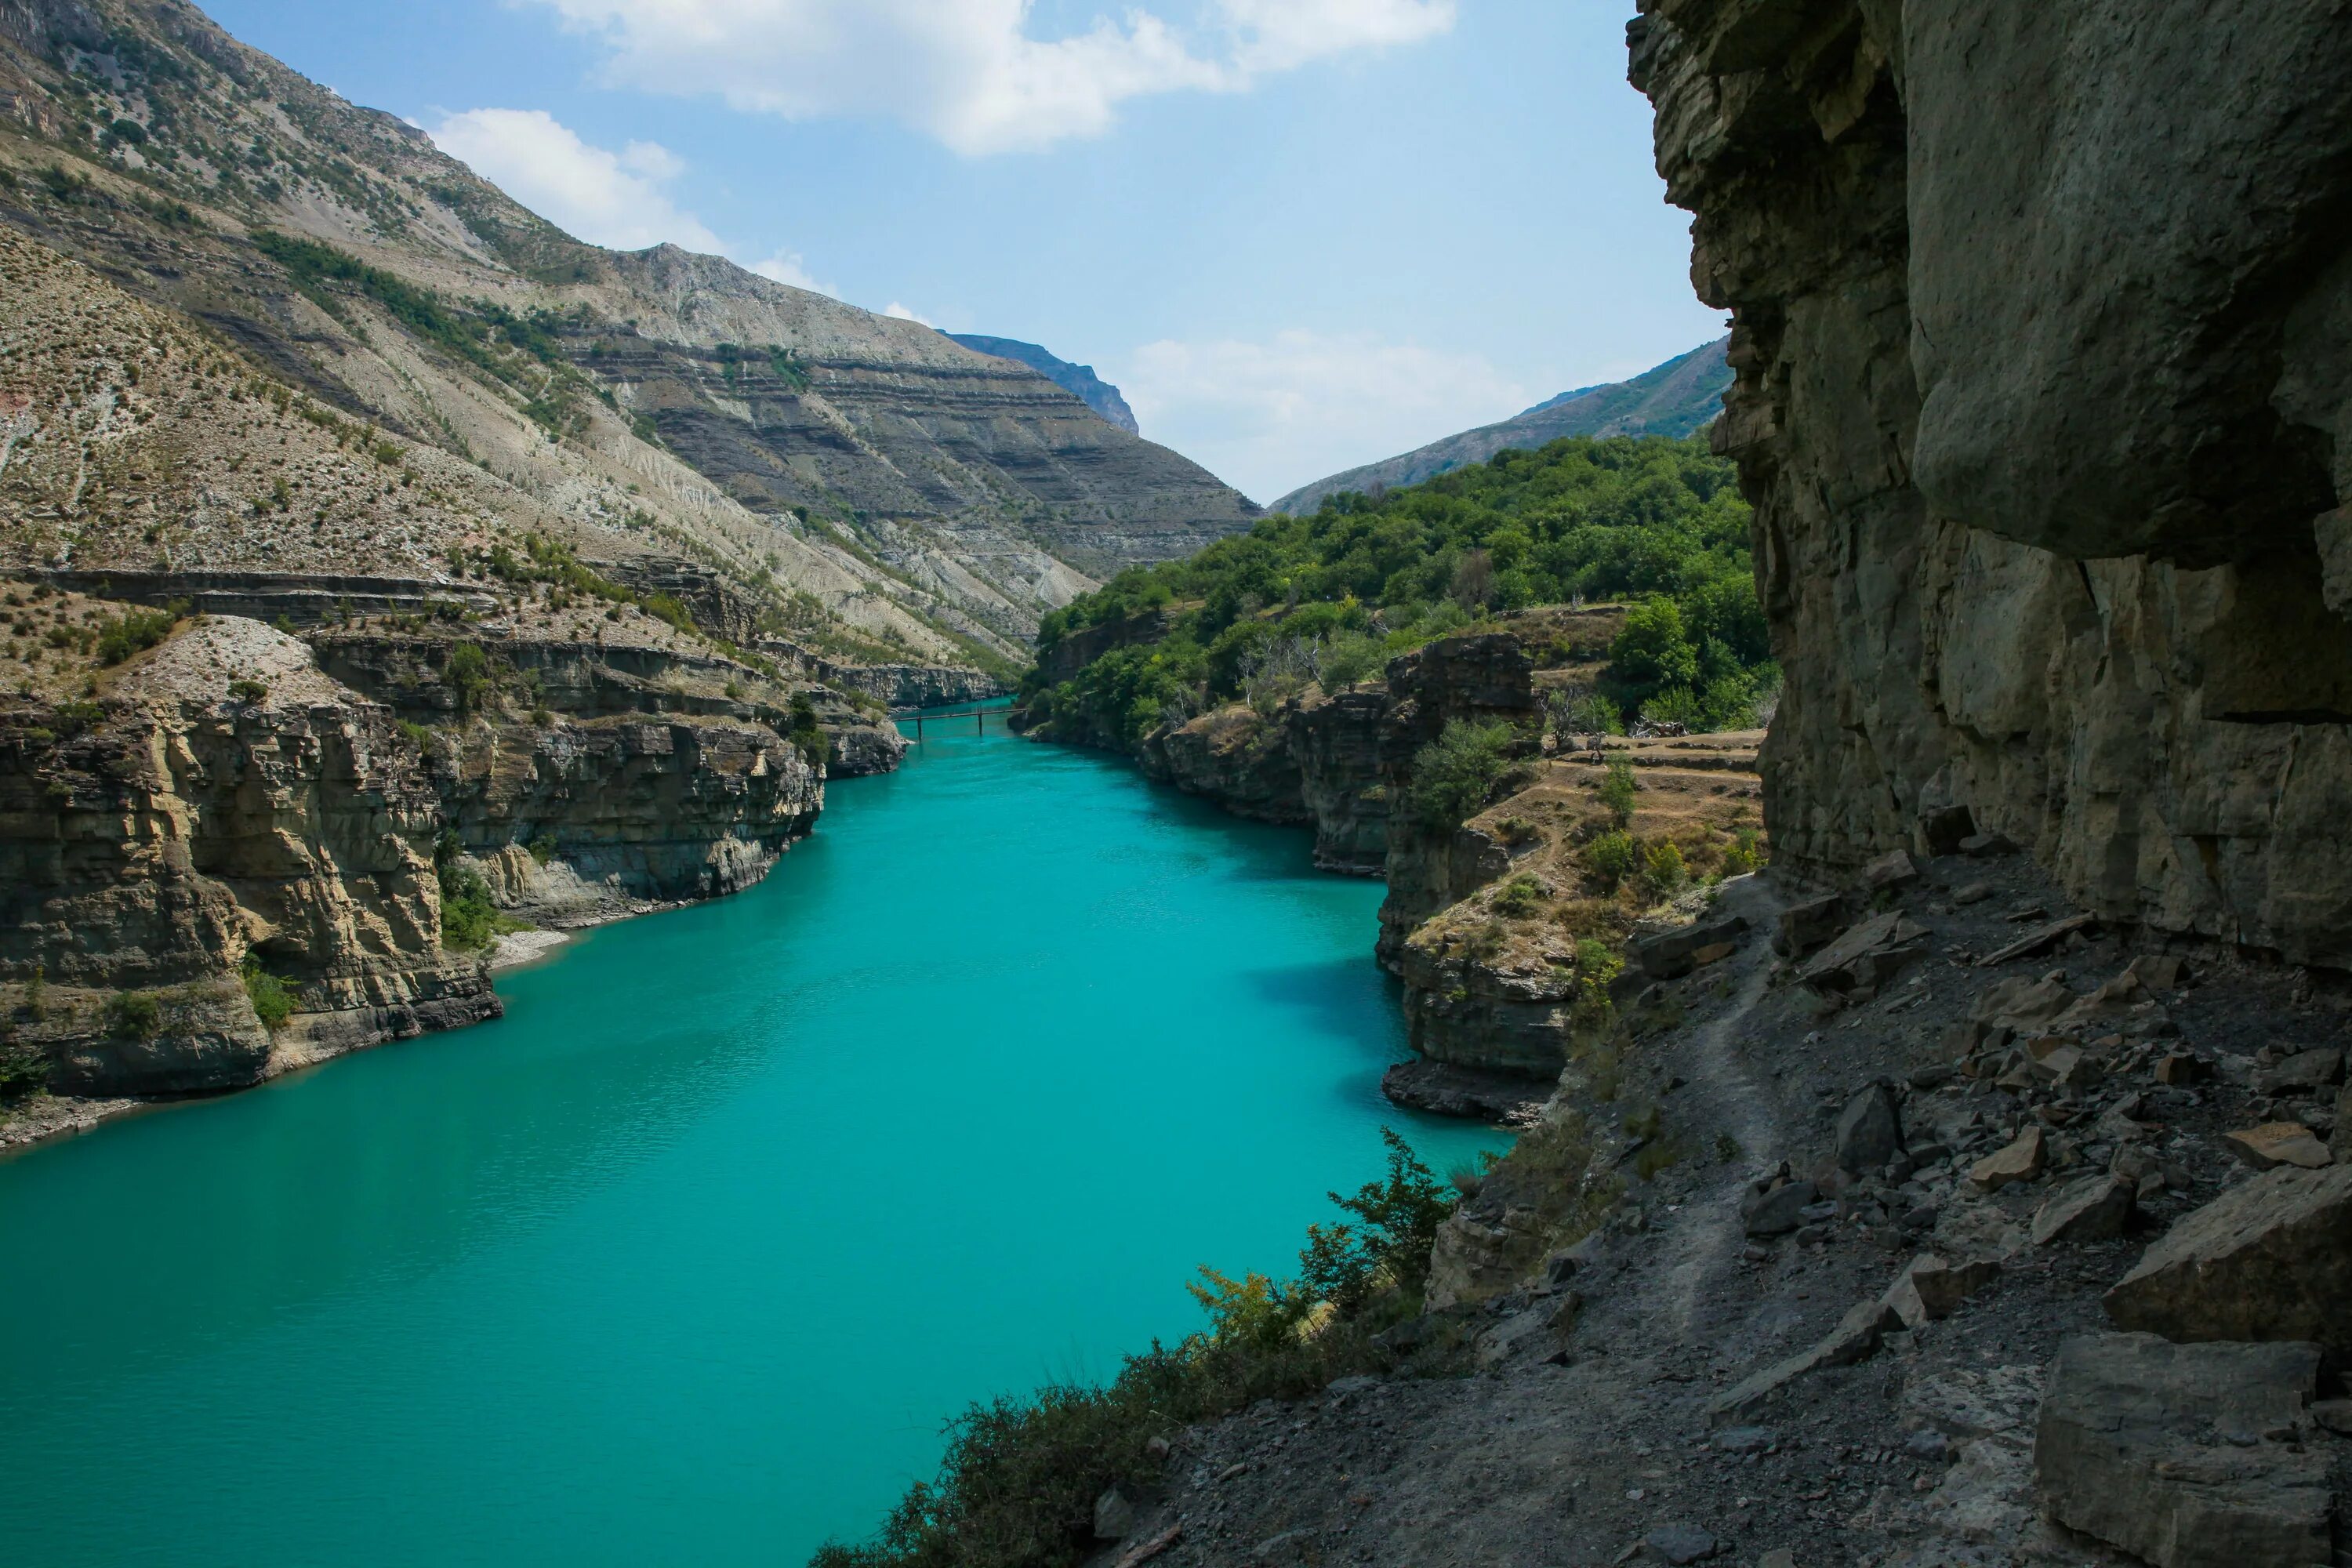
column 2040, row 402
column 155, row 840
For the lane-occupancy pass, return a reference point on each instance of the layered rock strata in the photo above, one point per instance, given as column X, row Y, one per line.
column 151, row 844
column 2040, row 401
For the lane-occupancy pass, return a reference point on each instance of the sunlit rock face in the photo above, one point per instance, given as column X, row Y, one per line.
column 2041, row 325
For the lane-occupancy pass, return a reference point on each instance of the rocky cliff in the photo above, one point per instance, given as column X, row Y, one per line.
column 2041, row 404
column 1078, row 379
column 156, row 840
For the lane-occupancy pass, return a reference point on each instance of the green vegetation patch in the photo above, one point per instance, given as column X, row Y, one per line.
column 1332, row 596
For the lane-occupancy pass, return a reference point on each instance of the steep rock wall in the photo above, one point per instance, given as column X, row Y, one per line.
column 158, row 848
column 2040, row 402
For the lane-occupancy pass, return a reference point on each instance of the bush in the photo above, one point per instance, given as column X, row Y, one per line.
column 542, row 849
column 1619, row 791
column 1350, row 658
column 1653, row 651
column 1677, row 705
column 415, row 734
column 467, row 672
column 1612, row 857
column 273, row 999
column 1455, row 775
column 1663, row 871
column 1521, row 897
column 24, row 1069
column 245, row 690
column 135, row 631
column 1745, row 854
column 134, row 1015
column 806, row 734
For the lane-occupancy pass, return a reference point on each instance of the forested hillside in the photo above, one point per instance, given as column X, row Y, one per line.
column 1333, row 595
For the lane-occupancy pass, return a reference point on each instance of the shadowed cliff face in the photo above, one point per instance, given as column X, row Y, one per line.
column 2040, row 326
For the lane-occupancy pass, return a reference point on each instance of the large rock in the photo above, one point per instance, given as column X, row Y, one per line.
column 1856, row 1338
column 2186, row 1455
column 1865, row 958
column 1869, row 1130
column 1964, row 243
column 2269, row 1260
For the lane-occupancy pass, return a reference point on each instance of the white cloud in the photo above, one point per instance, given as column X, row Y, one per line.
column 968, row 72
column 614, row 199
column 786, row 267
column 1269, row 416
column 607, row 199
column 904, row 314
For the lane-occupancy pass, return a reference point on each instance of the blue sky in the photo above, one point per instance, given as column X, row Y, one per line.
column 1301, row 233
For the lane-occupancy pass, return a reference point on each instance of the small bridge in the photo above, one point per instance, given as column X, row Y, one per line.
column 979, row 717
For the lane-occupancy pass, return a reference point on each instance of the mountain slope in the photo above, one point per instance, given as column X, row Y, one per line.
column 913, row 489
column 1673, row 399
column 1078, row 379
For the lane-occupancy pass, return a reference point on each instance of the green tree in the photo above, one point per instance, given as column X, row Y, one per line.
column 1652, row 650
column 1455, row 775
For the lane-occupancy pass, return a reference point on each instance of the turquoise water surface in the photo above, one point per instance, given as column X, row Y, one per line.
column 686, row 1259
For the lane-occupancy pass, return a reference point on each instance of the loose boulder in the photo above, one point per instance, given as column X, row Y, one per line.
column 1865, row 958
column 2276, row 1143
column 1671, row 955
column 2186, row 1455
column 1929, row 1288
column 1776, row 1206
column 1869, row 1130
column 2096, row 1208
column 2269, row 1260
column 2022, row 1161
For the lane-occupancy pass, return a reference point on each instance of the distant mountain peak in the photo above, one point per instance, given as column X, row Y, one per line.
column 1079, row 380
column 1671, row 399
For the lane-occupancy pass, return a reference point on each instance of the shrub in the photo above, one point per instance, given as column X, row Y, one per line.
column 806, row 733
column 1663, row 871
column 247, row 689
column 1675, row 705
column 134, row 1015
column 1745, row 854
column 542, row 849
column 1612, row 857
column 1352, row 657
column 467, row 672
column 415, row 734
column 273, row 999
column 1653, row 651
column 36, row 994
column 1618, row 790
column 23, row 1068
column 1455, row 775
column 134, row 631
column 1520, row 898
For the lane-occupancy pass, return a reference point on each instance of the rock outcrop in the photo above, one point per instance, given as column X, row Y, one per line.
column 2040, row 400
column 151, row 844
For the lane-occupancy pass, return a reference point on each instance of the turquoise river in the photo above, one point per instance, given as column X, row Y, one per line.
column 686, row 1259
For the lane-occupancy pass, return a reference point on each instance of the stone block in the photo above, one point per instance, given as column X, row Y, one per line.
column 2185, row 1455
column 1869, row 1130
column 2022, row 1160
column 2096, row 1208
column 2276, row 1143
column 2269, row 1260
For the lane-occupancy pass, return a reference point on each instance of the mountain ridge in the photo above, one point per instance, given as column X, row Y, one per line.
column 903, row 480
column 1671, row 399
column 1078, row 379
